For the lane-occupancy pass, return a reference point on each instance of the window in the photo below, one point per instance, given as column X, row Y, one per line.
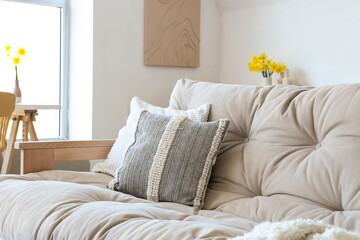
column 37, row 26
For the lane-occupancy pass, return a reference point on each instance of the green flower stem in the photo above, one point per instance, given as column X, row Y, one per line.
column 267, row 73
column 16, row 72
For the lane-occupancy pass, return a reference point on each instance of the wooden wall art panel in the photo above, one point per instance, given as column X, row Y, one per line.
column 172, row 33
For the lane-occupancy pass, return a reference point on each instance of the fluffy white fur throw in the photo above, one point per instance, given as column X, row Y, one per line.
column 300, row 229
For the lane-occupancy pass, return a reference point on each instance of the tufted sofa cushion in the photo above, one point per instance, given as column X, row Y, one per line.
column 290, row 151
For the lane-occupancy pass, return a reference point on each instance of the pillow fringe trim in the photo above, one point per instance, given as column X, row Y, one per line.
column 200, row 193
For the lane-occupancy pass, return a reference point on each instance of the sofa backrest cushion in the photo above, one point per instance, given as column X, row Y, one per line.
column 282, row 139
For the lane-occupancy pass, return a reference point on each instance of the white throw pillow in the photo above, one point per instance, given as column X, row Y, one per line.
column 126, row 137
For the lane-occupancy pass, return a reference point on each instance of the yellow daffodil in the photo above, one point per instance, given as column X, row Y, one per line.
column 256, row 59
column 278, row 66
column 251, row 66
column 264, row 65
column 273, row 66
column 21, row 51
column 16, row 60
column 262, row 56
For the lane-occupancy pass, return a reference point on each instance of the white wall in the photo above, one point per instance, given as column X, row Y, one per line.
column 319, row 39
column 119, row 71
column 80, row 72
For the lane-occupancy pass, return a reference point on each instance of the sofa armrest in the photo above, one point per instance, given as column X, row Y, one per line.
column 40, row 156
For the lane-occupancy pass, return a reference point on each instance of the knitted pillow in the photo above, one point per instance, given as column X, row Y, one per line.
column 171, row 159
column 126, row 135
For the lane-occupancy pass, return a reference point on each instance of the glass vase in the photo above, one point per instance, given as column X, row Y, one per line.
column 17, row 91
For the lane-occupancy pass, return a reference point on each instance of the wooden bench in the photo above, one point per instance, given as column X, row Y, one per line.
column 40, row 156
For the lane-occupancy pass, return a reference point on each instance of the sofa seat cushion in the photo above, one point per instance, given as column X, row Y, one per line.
column 47, row 205
column 279, row 207
column 87, row 178
column 290, row 140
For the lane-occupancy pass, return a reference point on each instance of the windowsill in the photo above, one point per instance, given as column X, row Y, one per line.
column 44, row 139
column 21, row 106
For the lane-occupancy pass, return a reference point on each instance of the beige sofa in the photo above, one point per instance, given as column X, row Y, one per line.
column 290, row 152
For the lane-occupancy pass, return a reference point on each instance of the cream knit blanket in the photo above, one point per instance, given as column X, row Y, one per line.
column 300, row 229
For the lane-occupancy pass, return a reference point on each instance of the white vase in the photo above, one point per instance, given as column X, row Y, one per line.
column 267, row 81
column 17, row 91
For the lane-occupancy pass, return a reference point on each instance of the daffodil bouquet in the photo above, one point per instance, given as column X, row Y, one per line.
column 264, row 65
column 19, row 53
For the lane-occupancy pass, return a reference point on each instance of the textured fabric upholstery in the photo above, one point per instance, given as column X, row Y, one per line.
column 171, row 159
column 290, row 151
column 77, row 205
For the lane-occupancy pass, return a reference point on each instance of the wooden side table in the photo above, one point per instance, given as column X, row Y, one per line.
column 27, row 114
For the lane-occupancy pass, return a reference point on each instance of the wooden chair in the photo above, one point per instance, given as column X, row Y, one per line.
column 7, row 106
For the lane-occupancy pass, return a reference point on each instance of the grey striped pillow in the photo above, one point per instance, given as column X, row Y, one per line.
column 126, row 135
column 171, row 159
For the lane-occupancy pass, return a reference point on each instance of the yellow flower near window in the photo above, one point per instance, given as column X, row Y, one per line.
column 21, row 51
column 16, row 60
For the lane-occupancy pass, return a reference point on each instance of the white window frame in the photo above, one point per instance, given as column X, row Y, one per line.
column 64, row 98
